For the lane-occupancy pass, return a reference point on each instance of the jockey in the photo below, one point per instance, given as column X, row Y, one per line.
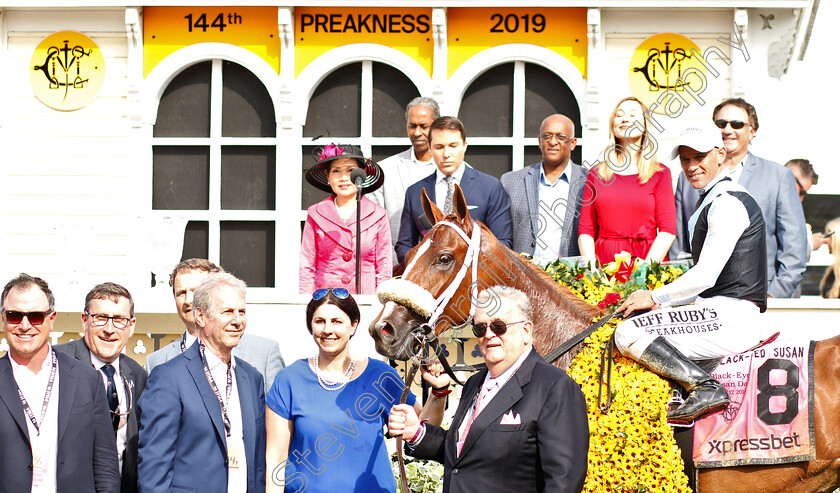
column 728, row 283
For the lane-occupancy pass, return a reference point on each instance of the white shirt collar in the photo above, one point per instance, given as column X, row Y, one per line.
column 45, row 366
column 416, row 159
column 505, row 375
column 190, row 339
column 213, row 360
column 458, row 174
column 98, row 363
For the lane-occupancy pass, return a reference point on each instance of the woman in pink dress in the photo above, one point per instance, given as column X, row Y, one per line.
column 328, row 246
column 628, row 201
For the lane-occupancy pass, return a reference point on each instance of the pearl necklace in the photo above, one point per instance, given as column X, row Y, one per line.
column 329, row 384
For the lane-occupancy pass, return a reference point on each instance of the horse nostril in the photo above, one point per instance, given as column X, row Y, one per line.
column 385, row 329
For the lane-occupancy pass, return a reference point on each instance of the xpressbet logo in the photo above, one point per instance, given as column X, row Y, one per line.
column 745, row 444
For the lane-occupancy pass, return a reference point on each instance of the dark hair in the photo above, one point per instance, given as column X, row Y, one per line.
column 806, row 168
column 739, row 102
column 200, row 264
column 448, row 123
column 347, row 305
column 110, row 291
column 23, row 281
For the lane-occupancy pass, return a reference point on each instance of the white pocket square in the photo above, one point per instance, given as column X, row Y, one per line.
column 471, row 206
column 509, row 419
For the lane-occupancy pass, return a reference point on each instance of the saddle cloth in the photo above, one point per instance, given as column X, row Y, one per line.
column 770, row 419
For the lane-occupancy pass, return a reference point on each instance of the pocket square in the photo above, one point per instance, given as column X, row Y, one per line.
column 471, row 207
column 509, row 419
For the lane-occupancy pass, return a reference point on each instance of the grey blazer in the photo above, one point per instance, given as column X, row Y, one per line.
column 774, row 188
column 261, row 353
column 523, row 187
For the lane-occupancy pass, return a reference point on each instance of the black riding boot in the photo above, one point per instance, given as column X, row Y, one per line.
column 705, row 393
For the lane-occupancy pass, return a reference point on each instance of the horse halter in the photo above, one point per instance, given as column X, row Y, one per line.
column 420, row 299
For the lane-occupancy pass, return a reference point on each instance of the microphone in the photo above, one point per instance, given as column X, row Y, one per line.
column 357, row 176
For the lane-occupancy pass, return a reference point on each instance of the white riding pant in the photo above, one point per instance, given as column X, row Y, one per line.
column 710, row 328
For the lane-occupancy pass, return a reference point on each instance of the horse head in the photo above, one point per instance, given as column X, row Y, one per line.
column 436, row 283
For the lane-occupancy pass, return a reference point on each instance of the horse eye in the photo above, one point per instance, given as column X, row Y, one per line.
column 445, row 259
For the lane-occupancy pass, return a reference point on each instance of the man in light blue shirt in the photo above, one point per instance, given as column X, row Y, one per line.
column 546, row 197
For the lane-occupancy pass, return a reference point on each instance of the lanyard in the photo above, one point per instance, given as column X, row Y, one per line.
column 216, row 389
column 47, row 394
column 184, row 342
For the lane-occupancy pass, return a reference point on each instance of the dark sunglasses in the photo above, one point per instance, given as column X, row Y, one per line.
column 802, row 191
column 340, row 293
column 35, row 318
column 735, row 124
column 497, row 326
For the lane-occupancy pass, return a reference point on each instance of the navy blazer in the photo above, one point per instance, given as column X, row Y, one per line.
column 136, row 377
column 486, row 199
column 545, row 451
column 87, row 451
column 182, row 435
column 774, row 188
column 523, row 187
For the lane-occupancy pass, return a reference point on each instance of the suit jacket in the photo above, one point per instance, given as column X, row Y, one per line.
column 774, row 188
column 261, row 353
column 546, row 451
column 87, row 452
column 523, row 187
column 136, row 377
column 401, row 171
column 486, row 198
column 328, row 248
column 182, row 436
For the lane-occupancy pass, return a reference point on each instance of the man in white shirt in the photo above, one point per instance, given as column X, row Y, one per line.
column 55, row 430
column 408, row 167
column 204, row 410
column 108, row 323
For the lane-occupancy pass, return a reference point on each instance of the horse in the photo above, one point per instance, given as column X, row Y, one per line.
column 456, row 242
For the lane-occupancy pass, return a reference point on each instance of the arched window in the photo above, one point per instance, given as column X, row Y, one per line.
column 214, row 151
column 502, row 110
column 360, row 103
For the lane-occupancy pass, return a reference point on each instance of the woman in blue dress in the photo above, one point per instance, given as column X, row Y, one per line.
column 327, row 414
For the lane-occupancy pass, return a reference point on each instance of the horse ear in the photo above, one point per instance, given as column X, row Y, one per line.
column 459, row 205
column 429, row 208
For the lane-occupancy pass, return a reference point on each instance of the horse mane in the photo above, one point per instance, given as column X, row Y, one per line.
column 562, row 290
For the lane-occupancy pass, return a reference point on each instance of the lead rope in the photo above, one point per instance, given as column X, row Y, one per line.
column 606, row 364
column 409, row 377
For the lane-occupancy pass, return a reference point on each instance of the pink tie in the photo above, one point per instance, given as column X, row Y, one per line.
column 485, row 389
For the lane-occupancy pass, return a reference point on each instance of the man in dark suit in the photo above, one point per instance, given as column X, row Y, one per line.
column 203, row 412
column 55, row 430
column 773, row 187
column 486, row 198
column 545, row 197
column 108, row 322
column 520, row 424
column 261, row 353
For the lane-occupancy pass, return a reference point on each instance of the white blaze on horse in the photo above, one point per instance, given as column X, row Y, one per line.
column 459, row 255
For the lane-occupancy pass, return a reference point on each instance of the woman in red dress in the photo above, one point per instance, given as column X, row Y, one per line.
column 628, row 202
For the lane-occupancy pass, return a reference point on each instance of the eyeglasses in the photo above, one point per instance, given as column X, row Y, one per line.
column 497, row 326
column 35, row 318
column 100, row 320
column 802, row 191
column 735, row 124
column 340, row 293
column 548, row 137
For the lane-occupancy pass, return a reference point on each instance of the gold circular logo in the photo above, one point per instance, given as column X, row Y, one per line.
column 667, row 73
column 67, row 71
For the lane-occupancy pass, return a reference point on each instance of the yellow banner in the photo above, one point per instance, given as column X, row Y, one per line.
column 318, row 30
column 168, row 29
column 66, row 71
column 472, row 30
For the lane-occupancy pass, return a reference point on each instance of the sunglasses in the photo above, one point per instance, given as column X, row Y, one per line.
column 340, row 293
column 497, row 326
column 802, row 191
column 735, row 124
column 35, row 318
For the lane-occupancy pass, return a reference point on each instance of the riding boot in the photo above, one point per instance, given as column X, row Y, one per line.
column 705, row 393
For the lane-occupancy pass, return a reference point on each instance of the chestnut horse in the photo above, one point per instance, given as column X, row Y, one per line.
column 442, row 258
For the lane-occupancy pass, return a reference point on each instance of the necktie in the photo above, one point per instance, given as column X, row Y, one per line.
column 485, row 389
column 450, row 190
column 111, row 391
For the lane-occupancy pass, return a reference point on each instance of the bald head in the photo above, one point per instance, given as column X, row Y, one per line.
column 557, row 140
